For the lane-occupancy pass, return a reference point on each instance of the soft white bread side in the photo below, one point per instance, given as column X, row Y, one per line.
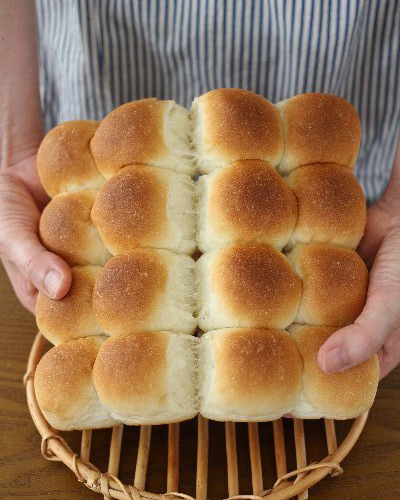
column 64, row 160
column 142, row 206
column 340, row 396
column 331, row 206
column 147, row 131
column 148, row 378
column 234, row 124
column 145, row 290
column 72, row 316
column 319, row 128
column 246, row 286
column 64, row 386
column 245, row 202
column 248, row 374
column 66, row 229
column 335, row 282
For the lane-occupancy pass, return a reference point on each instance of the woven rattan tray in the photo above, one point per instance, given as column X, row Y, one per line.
column 54, row 447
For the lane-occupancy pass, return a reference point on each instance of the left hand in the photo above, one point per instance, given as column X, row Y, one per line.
column 377, row 329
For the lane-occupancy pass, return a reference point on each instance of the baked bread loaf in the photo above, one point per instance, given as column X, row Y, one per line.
column 66, row 229
column 64, row 160
column 142, row 206
column 146, row 378
column 71, row 317
column 319, row 128
column 248, row 374
column 335, row 282
column 245, row 202
column 234, row 124
column 278, row 215
column 247, row 286
column 143, row 290
column 340, row 396
column 148, row 131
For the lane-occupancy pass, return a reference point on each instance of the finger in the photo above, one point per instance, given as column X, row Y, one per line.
column 389, row 354
column 47, row 272
column 356, row 343
column 24, row 290
column 19, row 243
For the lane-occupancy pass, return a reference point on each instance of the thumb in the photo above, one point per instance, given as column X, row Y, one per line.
column 20, row 245
column 356, row 343
column 46, row 271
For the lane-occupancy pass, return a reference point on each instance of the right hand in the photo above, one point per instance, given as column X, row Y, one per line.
column 30, row 267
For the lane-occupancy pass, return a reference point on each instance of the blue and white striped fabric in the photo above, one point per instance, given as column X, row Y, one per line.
column 98, row 54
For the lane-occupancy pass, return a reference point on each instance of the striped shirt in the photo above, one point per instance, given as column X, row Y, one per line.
column 98, row 54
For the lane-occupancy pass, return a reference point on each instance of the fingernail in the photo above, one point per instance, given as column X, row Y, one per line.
column 335, row 360
column 52, row 283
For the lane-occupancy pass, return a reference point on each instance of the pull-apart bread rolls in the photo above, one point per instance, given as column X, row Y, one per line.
column 148, row 131
column 235, row 124
column 319, row 128
column 64, row 160
column 278, row 214
column 66, row 229
column 248, row 374
column 342, row 395
column 145, row 290
column 247, row 286
column 72, row 316
column 245, row 202
column 142, row 206
column 335, row 282
column 145, row 378
column 331, row 206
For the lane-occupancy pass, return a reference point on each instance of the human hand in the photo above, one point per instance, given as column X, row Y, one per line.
column 377, row 329
column 30, row 267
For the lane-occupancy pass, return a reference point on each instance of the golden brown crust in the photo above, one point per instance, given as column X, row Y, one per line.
column 241, row 125
column 319, row 128
column 63, row 377
column 131, row 208
column 331, row 205
column 131, row 133
column 130, row 372
column 251, row 202
column 128, row 289
column 64, row 159
column 72, row 316
column 67, row 230
column 256, row 365
column 258, row 284
column 345, row 394
column 335, row 282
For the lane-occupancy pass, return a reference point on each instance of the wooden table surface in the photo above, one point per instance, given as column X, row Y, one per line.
column 372, row 470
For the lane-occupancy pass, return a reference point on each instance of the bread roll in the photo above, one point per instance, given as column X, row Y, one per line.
column 247, row 286
column 147, row 131
column 67, row 229
column 64, row 160
column 335, row 282
column 145, row 290
column 248, row 374
column 340, row 396
column 64, row 387
column 331, row 206
column 148, row 378
column 72, row 316
column 235, row 124
column 142, row 206
column 319, row 128
column 246, row 202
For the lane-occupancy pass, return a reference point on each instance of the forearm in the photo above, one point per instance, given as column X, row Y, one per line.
column 21, row 127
